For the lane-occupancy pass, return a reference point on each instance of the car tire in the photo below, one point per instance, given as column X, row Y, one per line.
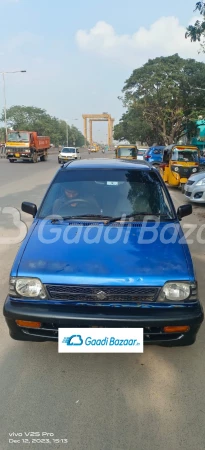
column 59, row 161
column 11, row 160
column 182, row 188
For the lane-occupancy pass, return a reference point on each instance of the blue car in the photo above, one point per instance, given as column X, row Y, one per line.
column 105, row 249
column 155, row 155
column 202, row 159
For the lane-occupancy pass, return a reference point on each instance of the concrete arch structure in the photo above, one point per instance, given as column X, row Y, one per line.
column 97, row 118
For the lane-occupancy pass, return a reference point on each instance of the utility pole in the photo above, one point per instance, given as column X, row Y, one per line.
column 4, row 89
column 67, row 133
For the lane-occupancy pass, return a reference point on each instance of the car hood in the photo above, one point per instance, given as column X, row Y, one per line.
column 68, row 154
column 104, row 255
column 199, row 176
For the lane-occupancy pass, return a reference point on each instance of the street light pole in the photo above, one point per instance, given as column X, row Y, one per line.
column 4, row 89
column 73, row 136
column 5, row 119
column 67, row 133
column 66, row 121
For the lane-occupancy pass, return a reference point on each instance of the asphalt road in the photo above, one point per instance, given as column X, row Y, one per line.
column 98, row 402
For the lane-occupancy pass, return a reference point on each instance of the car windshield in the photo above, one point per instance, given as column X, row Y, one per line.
column 106, row 192
column 68, row 150
column 187, row 155
column 18, row 136
column 127, row 151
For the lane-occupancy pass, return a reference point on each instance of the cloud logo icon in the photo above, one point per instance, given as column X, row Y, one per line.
column 75, row 339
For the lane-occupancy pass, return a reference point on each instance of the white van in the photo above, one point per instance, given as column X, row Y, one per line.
column 68, row 153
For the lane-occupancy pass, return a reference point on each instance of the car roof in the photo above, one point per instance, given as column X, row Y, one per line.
column 105, row 163
column 157, row 147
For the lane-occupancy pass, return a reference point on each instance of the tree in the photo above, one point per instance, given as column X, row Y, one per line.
column 2, row 135
column 30, row 118
column 196, row 32
column 132, row 128
column 161, row 96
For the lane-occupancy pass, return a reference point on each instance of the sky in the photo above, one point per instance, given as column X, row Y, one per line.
column 78, row 54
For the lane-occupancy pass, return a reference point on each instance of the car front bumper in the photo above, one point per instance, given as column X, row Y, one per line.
column 152, row 320
column 195, row 193
column 67, row 158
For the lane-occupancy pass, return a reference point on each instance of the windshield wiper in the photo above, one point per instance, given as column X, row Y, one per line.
column 109, row 218
column 82, row 216
column 142, row 214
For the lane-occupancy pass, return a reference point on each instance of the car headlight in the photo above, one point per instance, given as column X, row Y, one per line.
column 26, row 287
column 175, row 291
column 176, row 169
column 201, row 182
column 194, row 169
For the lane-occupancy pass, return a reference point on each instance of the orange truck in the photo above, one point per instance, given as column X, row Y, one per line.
column 27, row 146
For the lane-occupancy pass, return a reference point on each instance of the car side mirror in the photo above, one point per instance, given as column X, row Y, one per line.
column 184, row 210
column 29, row 208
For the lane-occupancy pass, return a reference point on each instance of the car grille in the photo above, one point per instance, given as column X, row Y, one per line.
column 16, row 149
column 102, row 293
column 190, row 182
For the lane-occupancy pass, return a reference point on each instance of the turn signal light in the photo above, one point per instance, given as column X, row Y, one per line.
column 179, row 329
column 28, row 324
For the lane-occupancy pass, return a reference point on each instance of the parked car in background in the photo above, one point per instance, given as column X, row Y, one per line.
column 154, row 155
column 194, row 189
column 92, row 149
column 68, row 153
column 202, row 158
column 141, row 153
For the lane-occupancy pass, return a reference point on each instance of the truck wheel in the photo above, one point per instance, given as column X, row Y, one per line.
column 35, row 158
column 44, row 157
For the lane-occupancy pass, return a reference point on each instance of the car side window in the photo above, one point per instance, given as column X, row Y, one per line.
column 157, row 152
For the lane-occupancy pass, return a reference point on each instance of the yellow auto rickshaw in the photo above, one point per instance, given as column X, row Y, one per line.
column 179, row 163
column 126, row 152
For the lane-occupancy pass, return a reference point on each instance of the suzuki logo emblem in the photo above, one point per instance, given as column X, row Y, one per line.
column 101, row 295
